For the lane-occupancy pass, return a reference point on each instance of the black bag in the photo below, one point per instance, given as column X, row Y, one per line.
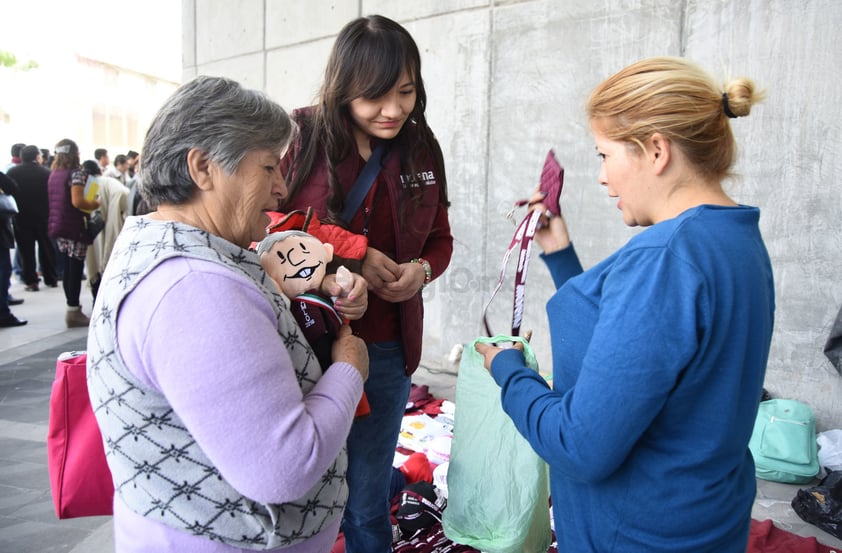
column 821, row 505
column 8, row 205
column 833, row 347
column 94, row 223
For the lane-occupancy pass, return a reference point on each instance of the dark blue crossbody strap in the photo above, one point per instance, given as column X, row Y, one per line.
column 363, row 184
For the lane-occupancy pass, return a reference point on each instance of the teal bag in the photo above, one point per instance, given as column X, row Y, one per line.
column 783, row 442
column 497, row 486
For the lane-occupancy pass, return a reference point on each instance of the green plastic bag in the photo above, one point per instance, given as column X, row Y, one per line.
column 497, row 486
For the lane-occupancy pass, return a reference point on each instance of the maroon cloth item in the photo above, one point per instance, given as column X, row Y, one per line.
column 552, row 181
column 422, row 401
column 418, row 395
column 427, row 540
column 765, row 537
column 433, row 407
column 430, row 540
column 319, row 322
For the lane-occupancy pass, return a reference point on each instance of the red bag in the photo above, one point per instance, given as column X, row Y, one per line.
column 80, row 479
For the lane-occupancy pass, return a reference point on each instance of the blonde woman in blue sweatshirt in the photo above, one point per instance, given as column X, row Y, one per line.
column 660, row 350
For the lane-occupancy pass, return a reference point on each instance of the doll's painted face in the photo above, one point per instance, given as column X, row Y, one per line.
column 297, row 263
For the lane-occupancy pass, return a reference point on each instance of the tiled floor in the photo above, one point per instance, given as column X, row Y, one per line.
column 27, row 365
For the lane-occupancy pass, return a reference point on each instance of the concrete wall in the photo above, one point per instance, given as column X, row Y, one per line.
column 506, row 81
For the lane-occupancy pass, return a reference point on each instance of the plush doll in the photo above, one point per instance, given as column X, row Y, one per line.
column 349, row 248
column 297, row 263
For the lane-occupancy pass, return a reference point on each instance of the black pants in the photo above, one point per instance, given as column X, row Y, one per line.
column 27, row 236
column 5, row 279
column 72, row 281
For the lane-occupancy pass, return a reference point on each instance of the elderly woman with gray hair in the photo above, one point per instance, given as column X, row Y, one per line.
column 222, row 434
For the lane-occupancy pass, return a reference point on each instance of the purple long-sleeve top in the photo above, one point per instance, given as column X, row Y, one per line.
column 206, row 338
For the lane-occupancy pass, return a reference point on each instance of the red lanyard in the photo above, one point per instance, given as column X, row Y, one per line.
column 523, row 237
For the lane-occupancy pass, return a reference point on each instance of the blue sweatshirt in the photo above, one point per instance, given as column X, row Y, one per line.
column 659, row 355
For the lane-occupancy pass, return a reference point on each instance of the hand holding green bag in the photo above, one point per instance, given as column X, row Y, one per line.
column 498, row 487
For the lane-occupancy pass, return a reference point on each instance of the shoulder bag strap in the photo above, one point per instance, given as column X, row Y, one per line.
column 363, row 184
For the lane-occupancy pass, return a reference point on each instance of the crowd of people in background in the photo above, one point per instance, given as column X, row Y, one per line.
column 35, row 239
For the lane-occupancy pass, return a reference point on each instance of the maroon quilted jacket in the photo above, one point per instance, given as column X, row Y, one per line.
column 65, row 220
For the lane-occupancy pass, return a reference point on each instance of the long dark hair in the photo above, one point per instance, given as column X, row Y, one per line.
column 367, row 59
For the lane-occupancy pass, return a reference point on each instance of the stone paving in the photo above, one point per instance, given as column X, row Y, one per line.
column 28, row 523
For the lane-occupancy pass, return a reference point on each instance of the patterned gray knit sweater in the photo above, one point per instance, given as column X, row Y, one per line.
column 159, row 471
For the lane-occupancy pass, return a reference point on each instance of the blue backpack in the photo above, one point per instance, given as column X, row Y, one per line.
column 783, row 442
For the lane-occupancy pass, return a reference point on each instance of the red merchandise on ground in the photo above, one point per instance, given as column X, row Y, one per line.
column 765, row 537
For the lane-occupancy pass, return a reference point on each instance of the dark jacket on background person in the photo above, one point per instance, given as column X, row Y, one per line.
column 420, row 221
column 32, row 197
column 7, row 236
column 65, row 220
column 31, row 221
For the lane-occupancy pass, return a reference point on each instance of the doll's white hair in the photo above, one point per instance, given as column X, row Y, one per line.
column 266, row 244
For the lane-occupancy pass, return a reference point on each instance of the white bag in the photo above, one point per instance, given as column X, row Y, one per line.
column 830, row 449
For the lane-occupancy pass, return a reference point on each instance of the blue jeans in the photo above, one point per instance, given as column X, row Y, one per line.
column 371, row 451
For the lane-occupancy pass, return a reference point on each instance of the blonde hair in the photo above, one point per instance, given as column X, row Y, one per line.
column 676, row 98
